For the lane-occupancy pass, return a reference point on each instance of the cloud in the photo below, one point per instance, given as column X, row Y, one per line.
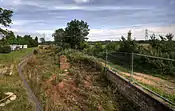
column 97, row 8
column 108, row 19
column 25, row 22
column 137, row 32
column 81, row 1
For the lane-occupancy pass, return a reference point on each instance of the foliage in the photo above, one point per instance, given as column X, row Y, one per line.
column 112, row 46
column 5, row 17
column 74, row 35
column 42, row 40
column 8, row 36
column 76, row 32
column 36, row 39
column 163, row 47
column 5, row 49
column 128, row 45
column 59, row 35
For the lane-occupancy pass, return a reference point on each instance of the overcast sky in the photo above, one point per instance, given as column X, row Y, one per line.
column 108, row 19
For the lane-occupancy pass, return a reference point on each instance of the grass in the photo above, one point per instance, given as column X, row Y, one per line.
column 171, row 97
column 14, row 83
column 14, row 56
column 84, row 87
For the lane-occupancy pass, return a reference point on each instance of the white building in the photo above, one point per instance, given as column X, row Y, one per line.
column 24, row 46
column 16, row 47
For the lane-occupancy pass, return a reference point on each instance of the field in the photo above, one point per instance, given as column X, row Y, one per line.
column 15, row 56
column 11, row 82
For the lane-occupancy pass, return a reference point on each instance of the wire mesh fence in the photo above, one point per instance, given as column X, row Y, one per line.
column 155, row 74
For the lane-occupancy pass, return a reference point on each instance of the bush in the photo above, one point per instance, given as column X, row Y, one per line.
column 35, row 52
column 5, row 49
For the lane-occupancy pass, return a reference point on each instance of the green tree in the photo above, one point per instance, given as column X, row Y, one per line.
column 128, row 45
column 36, row 40
column 42, row 40
column 5, row 17
column 112, row 46
column 59, row 36
column 10, row 37
column 169, row 36
column 76, row 33
column 5, row 20
column 21, row 41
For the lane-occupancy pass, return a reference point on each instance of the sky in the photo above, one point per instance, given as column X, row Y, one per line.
column 107, row 19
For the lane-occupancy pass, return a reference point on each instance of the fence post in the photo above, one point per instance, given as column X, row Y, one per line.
column 106, row 58
column 132, row 65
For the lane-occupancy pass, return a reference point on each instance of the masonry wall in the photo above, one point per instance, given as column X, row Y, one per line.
column 136, row 94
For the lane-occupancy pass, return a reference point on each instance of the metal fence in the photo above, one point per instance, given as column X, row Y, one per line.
column 154, row 74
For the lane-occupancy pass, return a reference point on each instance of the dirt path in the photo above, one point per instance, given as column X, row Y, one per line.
column 162, row 84
column 167, row 86
column 30, row 93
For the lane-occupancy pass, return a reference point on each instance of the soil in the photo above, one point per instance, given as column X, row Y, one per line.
column 84, row 89
column 164, row 85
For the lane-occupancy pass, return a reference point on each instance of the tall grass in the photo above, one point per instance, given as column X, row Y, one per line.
column 14, row 56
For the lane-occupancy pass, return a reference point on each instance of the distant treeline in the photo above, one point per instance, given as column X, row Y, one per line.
column 9, row 38
column 108, row 41
column 161, row 46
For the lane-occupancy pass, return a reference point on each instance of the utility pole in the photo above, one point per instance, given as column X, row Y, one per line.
column 146, row 34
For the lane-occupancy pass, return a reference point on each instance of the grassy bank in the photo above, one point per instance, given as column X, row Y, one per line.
column 13, row 83
column 81, row 88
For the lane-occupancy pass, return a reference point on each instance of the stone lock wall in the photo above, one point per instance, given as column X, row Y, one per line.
column 143, row 99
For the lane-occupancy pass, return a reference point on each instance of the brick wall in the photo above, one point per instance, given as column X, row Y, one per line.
column 143, row 99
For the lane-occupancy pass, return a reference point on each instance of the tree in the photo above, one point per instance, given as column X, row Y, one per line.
column 5, row 20
column 10, row 37
column 169, row 36
column 59, row 36
column 128, row 45
column 42, row 40
column 76, row 32
column 5, row 17
column 21, row 41
column 112, row 46
column 36, row 40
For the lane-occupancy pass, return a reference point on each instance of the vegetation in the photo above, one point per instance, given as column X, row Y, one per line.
column 13, row 83
column 42, row 40
column 8, row 37
column 120, row 53
column 82, row 87
column 5, row 49
column 14, row 57
column 5, row 17
column 73, row 36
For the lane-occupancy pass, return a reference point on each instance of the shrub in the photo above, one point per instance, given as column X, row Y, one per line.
column 35, row 52
column 5, row 49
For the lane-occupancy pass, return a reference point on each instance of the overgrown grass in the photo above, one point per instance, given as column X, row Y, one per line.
column 14, row 56
column 170, row 97
column 85, row 88
column 119, row 68
column 14, row 83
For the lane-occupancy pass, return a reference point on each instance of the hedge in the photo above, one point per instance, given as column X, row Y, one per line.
column 5, row 49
